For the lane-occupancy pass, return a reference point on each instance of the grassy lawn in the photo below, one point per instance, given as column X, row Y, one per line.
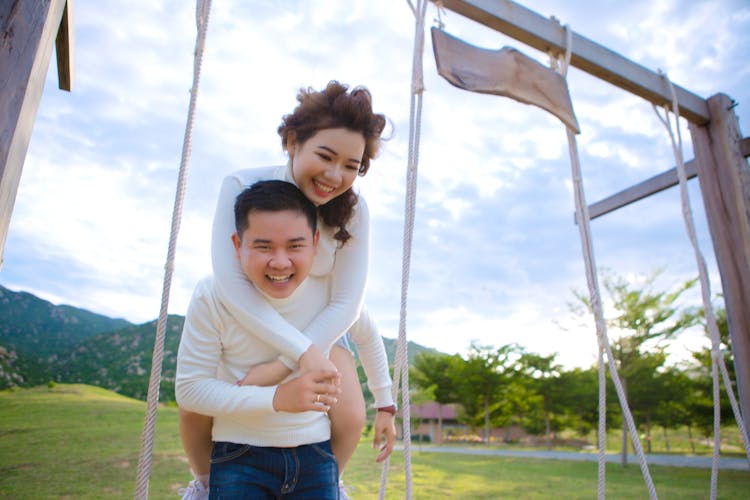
column 75, row 441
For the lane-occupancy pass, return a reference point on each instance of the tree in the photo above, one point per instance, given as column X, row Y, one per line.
column 647, row 319
column 484, row 383
column 701, row 407
column 437, row 374
column 543, row 377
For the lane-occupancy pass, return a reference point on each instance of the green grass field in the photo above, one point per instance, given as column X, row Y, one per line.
column 77, row 441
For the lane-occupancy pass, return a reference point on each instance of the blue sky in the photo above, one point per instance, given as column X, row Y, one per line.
column 496, row 253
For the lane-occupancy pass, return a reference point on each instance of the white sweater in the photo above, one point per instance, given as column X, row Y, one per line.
column 345, row 269
column 216, row 351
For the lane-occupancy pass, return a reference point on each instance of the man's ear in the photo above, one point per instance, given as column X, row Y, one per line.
column 237, row 244
column 316, row 238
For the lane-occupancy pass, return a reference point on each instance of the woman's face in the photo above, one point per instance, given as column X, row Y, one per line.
column 326, row 164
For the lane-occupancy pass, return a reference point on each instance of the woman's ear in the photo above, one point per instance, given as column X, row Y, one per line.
column 291, row 144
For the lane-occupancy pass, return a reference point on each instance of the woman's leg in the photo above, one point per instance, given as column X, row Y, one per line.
column 348, row 414
column 195, row 431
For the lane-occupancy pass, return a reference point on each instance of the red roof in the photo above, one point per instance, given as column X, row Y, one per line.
column 430, row 411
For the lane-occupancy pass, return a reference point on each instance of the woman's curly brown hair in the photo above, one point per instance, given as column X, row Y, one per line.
column 336, row 107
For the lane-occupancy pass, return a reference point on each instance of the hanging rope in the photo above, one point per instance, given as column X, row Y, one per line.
column 203, row 8
column 401, row 368
column 584, row 227
column 717, row 356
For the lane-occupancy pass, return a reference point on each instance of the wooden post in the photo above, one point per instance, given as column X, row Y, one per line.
column 28, row 29
column 724, row 178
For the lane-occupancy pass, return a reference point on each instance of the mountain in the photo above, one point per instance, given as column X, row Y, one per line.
column 32, row 331
column 42, row 342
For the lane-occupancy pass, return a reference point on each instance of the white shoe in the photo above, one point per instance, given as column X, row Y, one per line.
column 344, row 491
column 195, row 490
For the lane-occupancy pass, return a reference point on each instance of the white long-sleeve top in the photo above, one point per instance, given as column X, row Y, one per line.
column 345, row 268
column 216, row 350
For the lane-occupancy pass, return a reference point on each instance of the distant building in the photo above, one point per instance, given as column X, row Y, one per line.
column 435, row 423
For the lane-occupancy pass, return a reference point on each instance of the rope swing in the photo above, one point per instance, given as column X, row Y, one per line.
column 561, row 64
column 717, row 356
column 203, row 8
column 401, row 365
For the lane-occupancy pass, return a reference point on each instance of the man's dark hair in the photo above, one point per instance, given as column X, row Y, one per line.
column 272, row 196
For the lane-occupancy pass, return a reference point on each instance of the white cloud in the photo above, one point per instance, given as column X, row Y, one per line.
column 495, row 251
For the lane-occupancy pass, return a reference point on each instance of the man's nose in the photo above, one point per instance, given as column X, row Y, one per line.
column 280, row 259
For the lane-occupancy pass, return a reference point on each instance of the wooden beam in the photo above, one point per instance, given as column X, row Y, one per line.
column 547, row 35
column 724, row 177
column 64, row 49
column 28, row 29
column 655, row 184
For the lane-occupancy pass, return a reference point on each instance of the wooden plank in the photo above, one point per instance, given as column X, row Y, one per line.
column 655, row 184
column 24, row 59
column 64, row 49
column 547, row 35
column 745, row 147
column 724, row 177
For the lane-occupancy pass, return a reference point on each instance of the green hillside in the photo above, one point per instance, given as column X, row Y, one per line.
column 41, row 342
column 34, row 331
column 78, row 441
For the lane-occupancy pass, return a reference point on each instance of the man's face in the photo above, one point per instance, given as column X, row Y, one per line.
column 276, row 251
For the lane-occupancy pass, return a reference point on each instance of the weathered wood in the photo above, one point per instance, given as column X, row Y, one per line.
column 724, row 178
column 27, row 31
column 549, row 36
column 505, row 72
column 653, row 185
column 64, row 49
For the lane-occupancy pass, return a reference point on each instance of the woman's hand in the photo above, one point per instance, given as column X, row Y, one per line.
column 385, row 434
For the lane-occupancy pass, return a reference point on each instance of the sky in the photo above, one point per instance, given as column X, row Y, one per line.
column 496, row 255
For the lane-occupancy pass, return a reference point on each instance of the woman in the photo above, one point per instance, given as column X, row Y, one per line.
column 330, row 138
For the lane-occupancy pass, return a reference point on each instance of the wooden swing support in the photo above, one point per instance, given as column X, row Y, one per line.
column 720, row 164
column 28, row 29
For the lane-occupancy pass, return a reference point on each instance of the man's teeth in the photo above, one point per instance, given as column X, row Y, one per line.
column 279, row 278
column 323, row 187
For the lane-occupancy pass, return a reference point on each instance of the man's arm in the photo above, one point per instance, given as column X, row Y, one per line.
column 197, row 389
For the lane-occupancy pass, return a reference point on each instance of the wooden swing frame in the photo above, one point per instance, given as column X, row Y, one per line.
column 720, row 164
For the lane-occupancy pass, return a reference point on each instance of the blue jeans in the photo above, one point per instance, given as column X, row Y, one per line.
column 243, row 471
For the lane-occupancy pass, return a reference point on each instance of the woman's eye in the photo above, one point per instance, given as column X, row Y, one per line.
column 324, row 156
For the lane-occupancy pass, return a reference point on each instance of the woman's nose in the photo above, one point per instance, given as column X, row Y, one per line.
column 333, row 174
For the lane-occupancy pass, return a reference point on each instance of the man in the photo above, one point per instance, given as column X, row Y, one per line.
column 268, row 441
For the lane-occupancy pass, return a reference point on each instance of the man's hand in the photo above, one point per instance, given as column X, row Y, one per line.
column 266, row 374
column 385, row 434
column 312, row 391
column 313, row 359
